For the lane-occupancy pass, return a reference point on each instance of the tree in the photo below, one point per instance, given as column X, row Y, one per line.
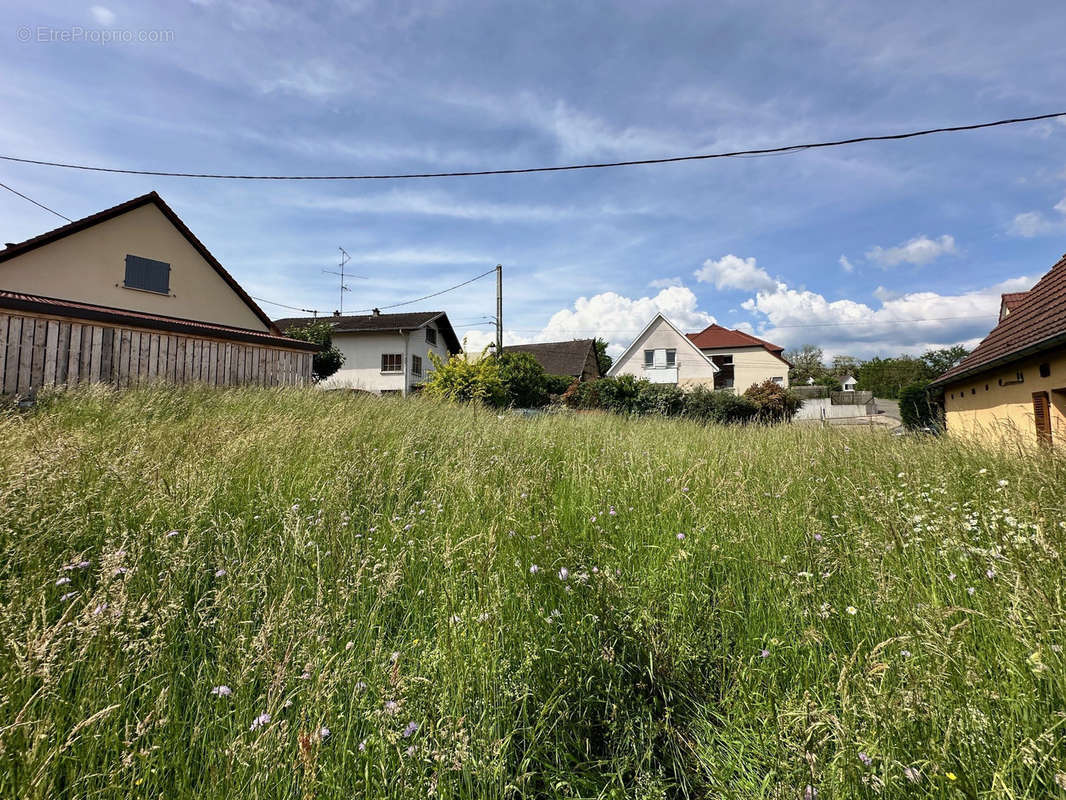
column 916, row 411
column 806, row 363
column 328, row 359
column 605, row 361
column 524, row 380
column 774, row 402
column 844, row 365
column 886, row 377
column 940, row 361
column 464, row 381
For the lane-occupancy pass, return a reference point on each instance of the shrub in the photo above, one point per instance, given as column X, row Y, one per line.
column 664, row 399
column 463, row 381
column 557, row 385
column 328, row 359
column 774, row 403
column 706, row 405
column 524, row 380
column 916, row 411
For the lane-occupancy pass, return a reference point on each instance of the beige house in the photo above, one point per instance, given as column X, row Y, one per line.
column 742, row 359
column 130, row 295
column 663, row 354
column 1012, row 387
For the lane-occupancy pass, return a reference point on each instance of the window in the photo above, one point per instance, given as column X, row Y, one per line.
column 780, row 380
column 1045, row 370
column 416, row 366
column 392, row 362
column 671, row 358
column 649, row 358
column 147, row 275
column 431, row 335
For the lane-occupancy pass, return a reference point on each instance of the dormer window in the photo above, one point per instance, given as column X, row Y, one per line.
column 147, row 275
column 431, row 335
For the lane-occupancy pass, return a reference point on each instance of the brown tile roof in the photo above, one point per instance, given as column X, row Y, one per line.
column 368, row 323
column 715, row 336
column 122, row 208
column 20, row 301
column 559, row 358
column 1037, row 323
column 1011, row 300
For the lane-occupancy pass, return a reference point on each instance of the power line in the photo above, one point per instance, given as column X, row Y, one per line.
column 565, row 168
column 276, row 303
column 426, row 297
column 39, row 205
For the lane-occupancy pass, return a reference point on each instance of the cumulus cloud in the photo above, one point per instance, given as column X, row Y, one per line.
column 919, row 251
column 103, row 16
column 665, row 283
column 609, row 315
column 733, row 272
column 1035, row 223
column 910, row 323
column 846, row 264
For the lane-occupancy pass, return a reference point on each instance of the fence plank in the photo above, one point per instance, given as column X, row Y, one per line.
column 63, row 356
column 25, row 354
column 51, row 350
column 85, row 353
column 142, row 363
column 107, row 355
column 40, row 337
column 153, row 357
column 4, row 318
column 122, row 377
column 74, row 357
column 14, row 348
column 97, row 352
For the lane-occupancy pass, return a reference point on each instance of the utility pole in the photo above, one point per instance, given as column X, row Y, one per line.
column 499, row 310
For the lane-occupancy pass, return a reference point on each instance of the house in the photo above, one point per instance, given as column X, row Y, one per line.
column 849, row 383
column 663, row 354
column 130, row 295
column 574, row 359
column 742, row 359
column 386, row 353
column 1013, row 385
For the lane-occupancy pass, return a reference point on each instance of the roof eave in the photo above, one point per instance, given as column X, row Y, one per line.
column 988, row 366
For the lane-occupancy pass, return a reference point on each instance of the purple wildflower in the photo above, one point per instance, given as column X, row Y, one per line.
column 260, row 721
column 865, row 759
column 62, row 581
column 564, row 573
column 222, row 691
column 410, row 730
column 533, row 569
column 764, row 653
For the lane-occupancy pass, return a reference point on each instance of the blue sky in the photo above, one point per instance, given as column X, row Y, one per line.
column 852, row 248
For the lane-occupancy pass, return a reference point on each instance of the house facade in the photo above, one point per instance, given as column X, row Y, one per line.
column 742, row 359
column 661, row 353
column 574, row 359
column 1012, row 387
column 130, row 295
column 386, row 353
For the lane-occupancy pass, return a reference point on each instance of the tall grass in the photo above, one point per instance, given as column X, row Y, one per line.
column 440, row 601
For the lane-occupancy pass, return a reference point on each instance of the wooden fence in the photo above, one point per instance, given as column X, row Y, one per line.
column 38, row 351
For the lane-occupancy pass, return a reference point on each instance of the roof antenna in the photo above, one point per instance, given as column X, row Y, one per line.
column 344, row 259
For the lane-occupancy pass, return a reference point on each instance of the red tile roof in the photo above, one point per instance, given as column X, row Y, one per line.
column 1037, row 323
column 715, row 337
column 110, row 213
column 20, row 301
column 1013, row 299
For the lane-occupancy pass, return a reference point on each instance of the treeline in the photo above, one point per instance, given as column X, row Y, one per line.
column 885, row 377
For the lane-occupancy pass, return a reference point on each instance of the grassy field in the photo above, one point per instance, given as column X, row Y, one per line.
column 290, row 594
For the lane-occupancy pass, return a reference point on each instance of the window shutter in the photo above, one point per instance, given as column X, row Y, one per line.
column 147, row 274
column 1042, row 417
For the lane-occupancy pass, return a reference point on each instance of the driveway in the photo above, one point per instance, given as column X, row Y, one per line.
column 890, row 408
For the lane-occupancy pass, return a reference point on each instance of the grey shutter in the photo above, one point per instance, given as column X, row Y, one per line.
column 147, row 273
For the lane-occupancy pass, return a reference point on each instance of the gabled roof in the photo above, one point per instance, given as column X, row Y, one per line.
column 370, row 323
column 559, row 358
column 1036, row 324
column 715, row 337
column 20, row 301
column 122, row 208
column 659, row 316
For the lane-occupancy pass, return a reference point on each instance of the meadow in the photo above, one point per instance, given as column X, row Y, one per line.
column 298, row 594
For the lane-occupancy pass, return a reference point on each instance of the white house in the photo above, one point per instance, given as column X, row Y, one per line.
column 743, row 360
column 386, row 353
column 849, row 383
column 663, row 354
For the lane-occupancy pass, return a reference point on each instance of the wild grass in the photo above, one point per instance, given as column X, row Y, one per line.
column 442, row 601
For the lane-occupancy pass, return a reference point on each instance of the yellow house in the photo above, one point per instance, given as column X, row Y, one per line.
column 1012, row 387
column 130, row 295
column 743, row 360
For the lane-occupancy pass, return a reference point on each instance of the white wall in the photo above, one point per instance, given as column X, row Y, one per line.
column 691, row 368
column 752, row 365
column 362, row 359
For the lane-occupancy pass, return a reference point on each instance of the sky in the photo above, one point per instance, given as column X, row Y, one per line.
column 871, row 249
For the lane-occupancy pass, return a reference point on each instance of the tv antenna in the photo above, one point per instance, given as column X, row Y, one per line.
column 344, row 259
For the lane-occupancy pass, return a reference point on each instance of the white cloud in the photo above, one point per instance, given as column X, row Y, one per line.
column 846, row 264
column 911, row 322
column 919, row 251
column 733, row 272
column 665, row 283
column 436, row 204
column 1034, row 223
column 103, row 16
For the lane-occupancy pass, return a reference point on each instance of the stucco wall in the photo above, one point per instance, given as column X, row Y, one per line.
column 982, row 410
column 362, row 359
column 90, row 267
column 691, row 369
column 752, row 365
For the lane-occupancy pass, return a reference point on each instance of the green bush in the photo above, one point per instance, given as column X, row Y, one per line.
column 663, row 399
column 774, row 402
column 524, row 380
column 556, row 385
column 706, row 405
column 464, row 381
column 916, row 411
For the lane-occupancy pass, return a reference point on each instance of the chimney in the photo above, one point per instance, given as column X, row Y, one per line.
column 8, row 244
column 377, row 312
column 336, row 313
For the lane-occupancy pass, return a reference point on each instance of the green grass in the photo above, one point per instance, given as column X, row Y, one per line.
column 868, row 615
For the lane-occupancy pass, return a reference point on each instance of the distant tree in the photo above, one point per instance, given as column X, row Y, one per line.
column 604, row 360
column 328, row 359
column 916, row 410
column 844, row 365
column 886, row 377
column 524, row 380
column 806, row 363
column 940, row 361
